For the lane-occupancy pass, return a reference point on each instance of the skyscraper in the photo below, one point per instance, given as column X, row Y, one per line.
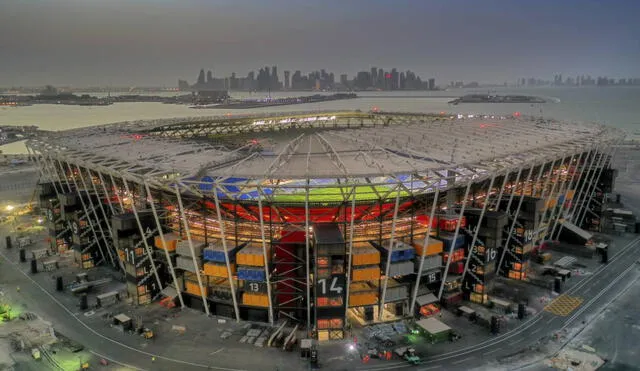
column 432, row 84
column 287, row 84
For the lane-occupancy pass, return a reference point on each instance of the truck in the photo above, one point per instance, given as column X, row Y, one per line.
column 409, row 354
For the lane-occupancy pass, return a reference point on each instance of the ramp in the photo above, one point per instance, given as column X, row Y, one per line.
column 573, row 234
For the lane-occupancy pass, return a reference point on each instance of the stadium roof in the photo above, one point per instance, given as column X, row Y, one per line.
column 323, row 147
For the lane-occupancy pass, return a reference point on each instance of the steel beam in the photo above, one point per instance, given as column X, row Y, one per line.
column 389, row 253
column 266, row 260
column 455, row 237
column 477, row 229
column 193, row 254
column 427, row 237
column 561, row 190
column 143, row 235
column 595, row 181
column 164, row 243
column 571, row 185
column 515, row 219
column 350, row 253
column 226, row 250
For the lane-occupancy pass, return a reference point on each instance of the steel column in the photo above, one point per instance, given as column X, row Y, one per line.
column 543, row 220
column 226, row 250
column 561, row 190
column 427, row 237
column 95, row 213
column 164, row 243
column 266, row 259
column 477, row 229
column 569, row 187
column 193, row 254
column 391, row 247
column 106, row 192
column 113, row 184
column 307, row 248
column 515, row 218
column 455, row 237
column 595, row 181
column 86, row 213
column 350, row 254
column 66, row 177
column 583, row 182
column 143, row 235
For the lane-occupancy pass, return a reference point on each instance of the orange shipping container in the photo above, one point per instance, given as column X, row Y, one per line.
column 251, row 256
column 256, row 300
column 218, row 270
column 170, row 239
column 365, row 257
column 365, row 274
column 358, row 299
column 434, row 247
column 193, row 288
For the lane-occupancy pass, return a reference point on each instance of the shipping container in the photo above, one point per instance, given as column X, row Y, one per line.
column 456, row 268
column 365, row 256
column 218, row 270
column 400, row 251
column 170, row 239
column 365, row 273
column 184, row 249
column 448, row 223
column 458, row 254
column 251, row 256
column 396, row 291
column 430, row 262
column 256, row 300
column 400, row 268
column 193, row 288
column 358, row 299
column 186, row 263
column 435, row 247
column 478, row 298
column 517, row 275
column 447, row 240
column 251, row 274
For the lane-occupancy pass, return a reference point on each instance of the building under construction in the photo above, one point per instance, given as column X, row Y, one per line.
column 320, row 217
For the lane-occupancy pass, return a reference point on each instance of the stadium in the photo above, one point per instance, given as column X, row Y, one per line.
column 321, row 218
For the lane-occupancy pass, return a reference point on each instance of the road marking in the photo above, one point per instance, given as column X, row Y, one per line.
column 563, row 305
column 216, row 352
column 492, row 351
column 551, row 320
column 430, row 367
column 462, row 360
column 536, row 330
column 517, row 341
column 108, row 338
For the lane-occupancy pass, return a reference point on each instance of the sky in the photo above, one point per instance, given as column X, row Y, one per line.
column 156, row 42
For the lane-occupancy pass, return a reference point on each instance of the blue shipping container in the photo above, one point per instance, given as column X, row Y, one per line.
column 448, row 241
column 249, row 274
column 214, row 255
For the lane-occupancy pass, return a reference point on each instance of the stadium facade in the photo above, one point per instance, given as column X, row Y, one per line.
column 320, row 217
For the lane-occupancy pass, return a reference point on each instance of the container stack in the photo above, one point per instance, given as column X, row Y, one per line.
column 130, row 248
column 252, row 271
column 365, row 276
column 528, row 232
column 184, row 259
column 431, row 274
column 484, row 255
column 330, row 279
column 59, row 233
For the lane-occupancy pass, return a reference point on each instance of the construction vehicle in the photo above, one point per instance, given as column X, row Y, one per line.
column 84, row 365
column 35, row 353
column 147, row 333
column 409, row 355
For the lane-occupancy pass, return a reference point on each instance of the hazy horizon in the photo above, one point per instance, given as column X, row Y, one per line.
column 154, row 43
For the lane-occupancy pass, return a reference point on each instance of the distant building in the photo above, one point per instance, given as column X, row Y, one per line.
column 287, row 84
column 432, row 84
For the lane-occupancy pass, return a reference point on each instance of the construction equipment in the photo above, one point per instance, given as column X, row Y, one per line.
column 147, row 333
column 84, row 365
column 409, row 355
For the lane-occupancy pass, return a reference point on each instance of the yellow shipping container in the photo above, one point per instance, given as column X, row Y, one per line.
column 358, row 299
column 251, row 256
column 323, row 335
column 434, row 247
column 170, row 239
column 193, row 288
column 218, row 270
column 256, row 300
column 365, row 257
column 478, row 298
column 365, row 274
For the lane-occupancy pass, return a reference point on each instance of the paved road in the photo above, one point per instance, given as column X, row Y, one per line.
column 596, row 290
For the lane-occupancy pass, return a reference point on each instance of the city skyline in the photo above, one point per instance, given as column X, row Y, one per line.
column 156, row 43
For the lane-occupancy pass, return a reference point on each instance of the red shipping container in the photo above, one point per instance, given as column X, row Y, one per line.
column 456, row 268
